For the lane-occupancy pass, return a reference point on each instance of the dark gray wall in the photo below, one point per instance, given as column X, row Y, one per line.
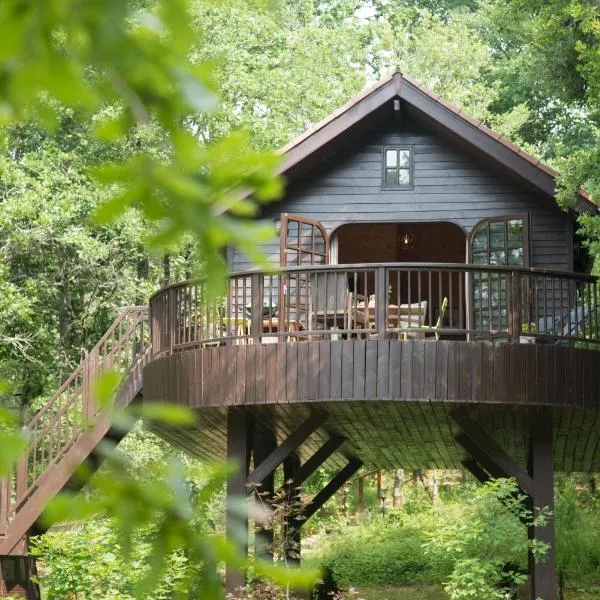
column 449, row 185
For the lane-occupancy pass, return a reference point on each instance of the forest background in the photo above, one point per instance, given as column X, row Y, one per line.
column 529, row 69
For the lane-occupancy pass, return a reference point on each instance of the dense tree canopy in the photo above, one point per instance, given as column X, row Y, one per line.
column 143, row 98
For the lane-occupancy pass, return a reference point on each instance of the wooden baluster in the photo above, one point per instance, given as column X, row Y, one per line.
column 515, row 309
column 22, row 477
column 256, row 306
column 381, row 301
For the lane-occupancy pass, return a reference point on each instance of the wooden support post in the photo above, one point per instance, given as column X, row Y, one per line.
column 537, row 483
column 236, row 526
column 291, row 523
column 541, row 469
column 17, row 574
column 263, row 443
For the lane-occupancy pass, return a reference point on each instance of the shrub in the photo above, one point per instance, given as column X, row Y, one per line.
column 379, row 553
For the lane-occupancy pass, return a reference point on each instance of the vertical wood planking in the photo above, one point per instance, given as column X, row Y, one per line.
column 429, row 369
column 406, row 370
column 291, row 374
column 270, row 367
column 335, row 370
column 441, row 371
column 250, row 391
column 383, row 359
column 395, row 364
column 324, row 369
column 280, row 372
column 357, row 375
column 303, row 371
column 313, row 386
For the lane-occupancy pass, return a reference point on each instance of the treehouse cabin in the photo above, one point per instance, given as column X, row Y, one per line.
column 429, row 306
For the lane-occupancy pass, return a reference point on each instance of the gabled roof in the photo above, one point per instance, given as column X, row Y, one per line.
column 442, row 113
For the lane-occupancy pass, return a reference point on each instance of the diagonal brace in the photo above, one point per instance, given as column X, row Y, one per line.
column 471, row 465
column 317, row 459
column 354, row 464
column 277, row 456
column 489, row 454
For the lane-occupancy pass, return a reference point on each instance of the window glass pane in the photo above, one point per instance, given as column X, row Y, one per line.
column 515, row 231
column 390, row 177
column 306, row 236
column 292, row 233
column 497, row 235
column 480, row 258
column 404, row 158
column 391, row 158
column 403, row 176
column 515, row 256
column 480, row 241
column 497, row 257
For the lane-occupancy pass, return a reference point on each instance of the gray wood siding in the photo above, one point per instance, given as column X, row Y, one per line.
column 449, row 185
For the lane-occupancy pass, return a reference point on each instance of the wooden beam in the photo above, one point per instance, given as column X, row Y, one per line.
column 471, row 465
column 236, row 524
column 479, row 457
column 490, row 454
column 331, row 488
column 317, row 459
column 275, row 458
column 541, row 469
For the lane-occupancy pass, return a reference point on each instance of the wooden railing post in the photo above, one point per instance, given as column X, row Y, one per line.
column 257, row 306
column 171, row 314
column 381, row 301
column 4, row 503
column 90, row 372
column 515, row 306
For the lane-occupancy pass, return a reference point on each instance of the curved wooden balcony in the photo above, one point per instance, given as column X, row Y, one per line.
column 388, row 353
column 366, row 301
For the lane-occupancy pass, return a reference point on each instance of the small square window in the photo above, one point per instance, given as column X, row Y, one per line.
column 397, row 168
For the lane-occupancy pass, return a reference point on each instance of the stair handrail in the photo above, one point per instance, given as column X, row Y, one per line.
column 72, row 408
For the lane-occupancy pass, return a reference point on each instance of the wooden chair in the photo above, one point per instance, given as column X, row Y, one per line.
column 329, row 301
column 430, row 330
column 238, row 327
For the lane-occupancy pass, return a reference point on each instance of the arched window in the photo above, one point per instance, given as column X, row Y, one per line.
column 498, row 241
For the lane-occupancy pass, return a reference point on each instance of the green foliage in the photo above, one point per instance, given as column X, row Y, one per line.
column 84, row 561
column 577, row 521
column 375, row 553
column 472, row 544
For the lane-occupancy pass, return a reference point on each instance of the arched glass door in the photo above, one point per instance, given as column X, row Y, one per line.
column 303, row 241
column 502, row 241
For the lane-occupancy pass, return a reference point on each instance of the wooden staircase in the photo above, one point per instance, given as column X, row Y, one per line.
column 64, row 433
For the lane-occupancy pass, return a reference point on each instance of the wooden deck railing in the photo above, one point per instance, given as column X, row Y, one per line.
column 70, row 412
column 422, row 300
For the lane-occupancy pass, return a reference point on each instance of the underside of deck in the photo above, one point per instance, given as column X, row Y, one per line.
column 392, row 401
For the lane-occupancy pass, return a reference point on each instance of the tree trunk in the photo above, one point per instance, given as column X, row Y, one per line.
column 434, row 487
column 166, row 269
column 398, row 496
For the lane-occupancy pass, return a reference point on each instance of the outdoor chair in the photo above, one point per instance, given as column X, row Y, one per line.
column 329, row 301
